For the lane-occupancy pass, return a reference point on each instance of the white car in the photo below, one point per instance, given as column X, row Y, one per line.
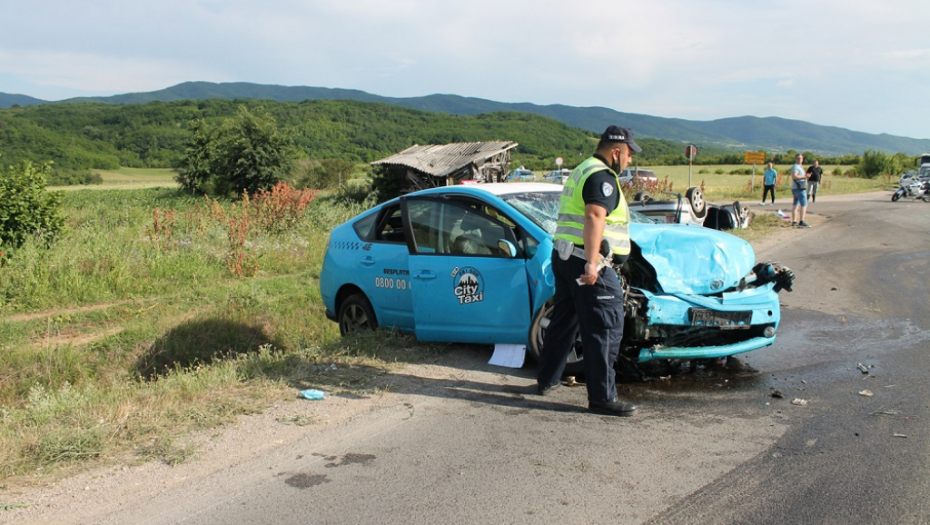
column 628, row 175
column 692, row 209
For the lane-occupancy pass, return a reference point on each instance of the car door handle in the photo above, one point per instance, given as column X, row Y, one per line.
column 425, row 275
column 368, row 261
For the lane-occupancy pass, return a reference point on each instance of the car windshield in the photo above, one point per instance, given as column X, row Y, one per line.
column 543, row 209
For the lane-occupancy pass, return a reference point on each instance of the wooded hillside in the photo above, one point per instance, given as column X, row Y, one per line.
column 82, row 136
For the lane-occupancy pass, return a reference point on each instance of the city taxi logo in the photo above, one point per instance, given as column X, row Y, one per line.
column 468, row 285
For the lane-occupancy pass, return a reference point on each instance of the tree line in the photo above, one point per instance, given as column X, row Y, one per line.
column 83, row 136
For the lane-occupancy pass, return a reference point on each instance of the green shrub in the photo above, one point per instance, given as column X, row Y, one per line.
column 73, row 178
column 719, row 171
column 25, row 207
column 358, row 191
column 246, row 153
column 323, row 174
column 875, row 163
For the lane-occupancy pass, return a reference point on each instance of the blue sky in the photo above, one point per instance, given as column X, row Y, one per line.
column 861, row 65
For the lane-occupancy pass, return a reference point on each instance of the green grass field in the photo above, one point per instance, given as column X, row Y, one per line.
column 128, row 178
column 724, row 187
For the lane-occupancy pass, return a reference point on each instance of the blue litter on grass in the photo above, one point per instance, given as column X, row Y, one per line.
column 313, row 394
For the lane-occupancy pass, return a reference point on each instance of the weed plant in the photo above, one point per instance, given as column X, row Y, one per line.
column 133, row 329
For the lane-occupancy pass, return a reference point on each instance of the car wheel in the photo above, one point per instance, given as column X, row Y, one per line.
column 356, row 315
column 641, row 196
column 698, row 205
column 573, row 364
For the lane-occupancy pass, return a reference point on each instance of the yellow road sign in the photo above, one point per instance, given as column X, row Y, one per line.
column 755, row 157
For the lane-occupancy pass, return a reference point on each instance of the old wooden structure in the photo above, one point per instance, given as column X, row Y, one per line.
column 419, row 167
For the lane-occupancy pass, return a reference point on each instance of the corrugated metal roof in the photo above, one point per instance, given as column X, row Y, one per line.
column 441, row 160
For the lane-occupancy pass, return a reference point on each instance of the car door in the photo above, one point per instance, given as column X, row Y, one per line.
column 464, row 287
column 382, row 270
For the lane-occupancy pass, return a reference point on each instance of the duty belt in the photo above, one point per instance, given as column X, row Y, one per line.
column 567, row 249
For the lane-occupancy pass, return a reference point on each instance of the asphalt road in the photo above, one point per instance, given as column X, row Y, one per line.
column 464, row 442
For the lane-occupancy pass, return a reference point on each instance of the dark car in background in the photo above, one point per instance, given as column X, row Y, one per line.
column 521, row 174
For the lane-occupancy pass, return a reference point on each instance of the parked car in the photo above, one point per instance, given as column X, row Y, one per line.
column 557, row 176
column 521, row 174
column 629, row 175
column 471, row 264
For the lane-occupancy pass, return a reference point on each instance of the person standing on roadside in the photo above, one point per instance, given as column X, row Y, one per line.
column 814, row 173
column 768, row 183
column 799, row 191
column 592, row 232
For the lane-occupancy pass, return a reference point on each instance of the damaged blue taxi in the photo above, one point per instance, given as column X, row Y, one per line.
column 471, row 264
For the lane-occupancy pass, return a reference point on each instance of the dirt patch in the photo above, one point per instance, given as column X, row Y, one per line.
column 73, row 337
column 24, row 318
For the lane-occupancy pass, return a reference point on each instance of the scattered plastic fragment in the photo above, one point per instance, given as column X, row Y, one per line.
column 866, row 393
column 313, row 394
column 783, row 215
column 899, row 435
column 570, row 381
column 800, row 402
column 862, row 368
column 778, row 394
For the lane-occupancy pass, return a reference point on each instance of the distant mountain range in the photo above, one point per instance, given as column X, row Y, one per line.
column 770, row 134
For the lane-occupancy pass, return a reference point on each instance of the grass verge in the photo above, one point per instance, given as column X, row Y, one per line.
column 135, row 327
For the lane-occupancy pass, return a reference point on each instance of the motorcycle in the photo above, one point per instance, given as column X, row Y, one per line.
column 915, row 190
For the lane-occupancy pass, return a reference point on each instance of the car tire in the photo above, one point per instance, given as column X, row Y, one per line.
column 356, row 315
column 641, row 196
column 573, row 365
column 698, row 205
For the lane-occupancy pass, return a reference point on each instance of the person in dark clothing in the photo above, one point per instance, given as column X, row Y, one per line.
column 814, row 173
column 592, row 231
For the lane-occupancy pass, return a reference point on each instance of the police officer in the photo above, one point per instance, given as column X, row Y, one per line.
column 593, row 229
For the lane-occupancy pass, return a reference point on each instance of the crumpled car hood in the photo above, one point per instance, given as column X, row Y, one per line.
column 691, row 259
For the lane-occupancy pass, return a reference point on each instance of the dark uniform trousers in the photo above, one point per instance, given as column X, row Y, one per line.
column 597, row 311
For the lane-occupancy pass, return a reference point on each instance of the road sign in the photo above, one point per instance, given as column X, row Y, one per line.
column 558, row 162
column 755, row 157
column 690, row 151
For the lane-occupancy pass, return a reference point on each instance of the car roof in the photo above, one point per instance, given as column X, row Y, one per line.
column 499, row 188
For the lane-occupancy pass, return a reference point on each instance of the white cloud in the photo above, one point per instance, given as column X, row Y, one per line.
column 697, row 59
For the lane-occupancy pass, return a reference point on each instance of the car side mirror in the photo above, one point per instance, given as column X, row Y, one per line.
column 507, row 248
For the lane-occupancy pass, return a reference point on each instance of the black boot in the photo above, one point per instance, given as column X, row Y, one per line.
column 616, row 407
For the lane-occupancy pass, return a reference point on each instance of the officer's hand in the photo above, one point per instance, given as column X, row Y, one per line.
column 590, row 274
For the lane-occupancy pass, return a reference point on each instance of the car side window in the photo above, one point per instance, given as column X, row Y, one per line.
column 364, row 227
column 424, row 217
column 520, row 239
column 455, row 229
column 391, row 226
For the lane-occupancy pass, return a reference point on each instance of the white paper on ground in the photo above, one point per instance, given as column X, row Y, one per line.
column 510, row 356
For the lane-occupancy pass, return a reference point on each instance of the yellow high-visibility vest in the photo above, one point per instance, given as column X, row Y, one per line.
column 571, row 210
